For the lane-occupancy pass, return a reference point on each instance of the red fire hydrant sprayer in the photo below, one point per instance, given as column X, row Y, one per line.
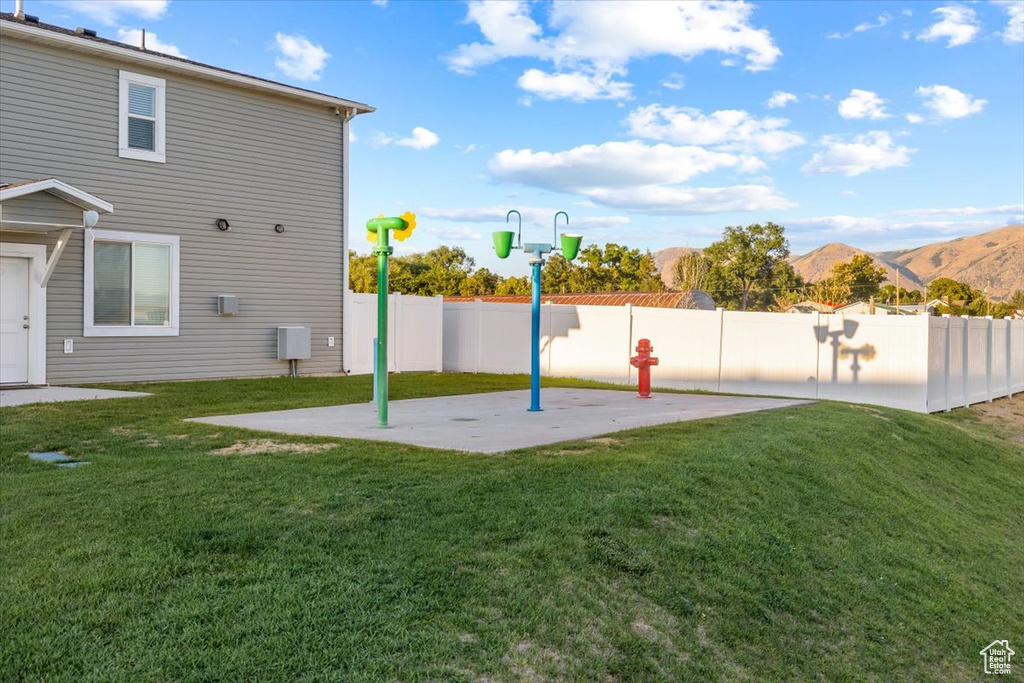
column 643, row 362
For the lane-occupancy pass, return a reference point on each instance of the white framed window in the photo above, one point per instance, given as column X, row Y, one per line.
column 142, row 128
column 131, row 284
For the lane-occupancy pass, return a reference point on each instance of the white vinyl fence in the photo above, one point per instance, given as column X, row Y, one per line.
column 911, row 362
column 414, row 333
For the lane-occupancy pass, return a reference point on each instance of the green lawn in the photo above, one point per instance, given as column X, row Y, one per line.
column 821, row 542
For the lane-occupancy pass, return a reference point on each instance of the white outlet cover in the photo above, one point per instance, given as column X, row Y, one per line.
column 330, row 341
column 69, row 346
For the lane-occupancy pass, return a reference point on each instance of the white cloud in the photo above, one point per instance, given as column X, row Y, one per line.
column 1003, row 209
column 630, row 163
column 300, row 58
column 455, row 233
column 729, row 129
column 780, row 99
column 532, row 215
column 421, row 138
column 133, row 36
column 869, row 152
column 848, row 193
column 110, row 12
column 915, row 118
column 950, row 103
column 957, row 23
column 852, row 225
column 660, row 199
column 636, row 176
column 839, row 223
column 598, row 40
column 380, row 3
column 1014, row 31
column 576, row 86
column 674, row 81
column 863, row 104
column 883, row 19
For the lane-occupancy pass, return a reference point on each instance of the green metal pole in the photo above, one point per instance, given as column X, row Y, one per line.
column 382, row 250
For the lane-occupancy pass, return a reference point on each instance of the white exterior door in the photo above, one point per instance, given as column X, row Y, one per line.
column 14, row 320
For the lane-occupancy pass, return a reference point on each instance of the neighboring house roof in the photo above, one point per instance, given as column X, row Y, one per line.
column 10, row 25
column 684, row 299
column 809, row 306
column 866, row 305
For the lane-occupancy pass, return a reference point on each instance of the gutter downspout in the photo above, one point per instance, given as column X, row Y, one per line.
column 346, row 343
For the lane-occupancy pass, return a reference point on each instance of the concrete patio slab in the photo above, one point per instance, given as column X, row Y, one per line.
column 20, row 397
column 498, row 422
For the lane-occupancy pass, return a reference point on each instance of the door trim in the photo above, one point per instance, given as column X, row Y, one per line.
column 36, row 254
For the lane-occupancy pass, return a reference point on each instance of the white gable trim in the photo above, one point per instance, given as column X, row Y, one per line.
column 58, row 189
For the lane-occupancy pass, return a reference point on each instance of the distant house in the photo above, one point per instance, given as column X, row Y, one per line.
column 137, row 188
column 808, row 306
column 865, row 308
column 689, row 299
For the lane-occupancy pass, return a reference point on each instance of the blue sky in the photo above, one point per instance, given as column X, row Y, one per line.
column 884, row 125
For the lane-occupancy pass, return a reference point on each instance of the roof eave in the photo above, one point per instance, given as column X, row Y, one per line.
column 41, row 35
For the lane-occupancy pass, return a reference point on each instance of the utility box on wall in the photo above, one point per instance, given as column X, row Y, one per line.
column 293, row 343
column 227, row 304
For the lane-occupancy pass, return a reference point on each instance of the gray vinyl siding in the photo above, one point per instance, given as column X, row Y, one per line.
column 254, row 159
column 41, row 207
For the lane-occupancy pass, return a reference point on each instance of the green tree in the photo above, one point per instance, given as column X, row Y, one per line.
column 557, row 275
column 785, row 283
column 952, row 291
column 861, row 275
column 480, row 283
column 690, row 271
column 514, row 286
column 1017, row 300
column 887, row 295
column 744, row 260
column 362, row 273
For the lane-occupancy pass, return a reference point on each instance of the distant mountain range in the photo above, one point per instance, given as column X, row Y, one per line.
column 994, row 259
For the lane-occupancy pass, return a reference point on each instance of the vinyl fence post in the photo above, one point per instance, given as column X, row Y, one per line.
column 721, row 341
column 967, row 359
column 479, row 334
column 988, row 360
column 440, row 333
column 397, row 334
column 1009, row 356
column 629, row 347
column 948, row 360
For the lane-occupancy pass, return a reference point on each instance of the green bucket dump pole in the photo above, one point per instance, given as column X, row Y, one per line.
column 377, row 231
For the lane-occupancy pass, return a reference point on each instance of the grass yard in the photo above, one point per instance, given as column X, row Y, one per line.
column 821, row 542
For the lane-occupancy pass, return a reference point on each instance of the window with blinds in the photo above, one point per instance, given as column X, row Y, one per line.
column 142, row 117
column 131, row 283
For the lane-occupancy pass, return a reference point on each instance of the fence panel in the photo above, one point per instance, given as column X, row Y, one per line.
column 938, row 364
column 876, row 359
column 769, row 353
column 686, row 343
column 978, row 358
column 504, row 338
column 999, row 384
column 912, row 362
column 1016, row 356
column 590, row 342
column 415, row 328
column 957, row 362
